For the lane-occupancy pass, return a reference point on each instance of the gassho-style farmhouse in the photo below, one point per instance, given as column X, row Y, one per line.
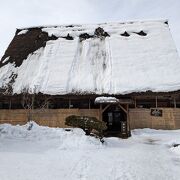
column 126, row 74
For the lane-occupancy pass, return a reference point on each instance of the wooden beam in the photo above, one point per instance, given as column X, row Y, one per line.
column 156, row 102
column 174, row 102
column 125, row 101
column 69, row 103
column 135, row 103
column 128, row 120
column 100, row 112
column 10, row 104
column 121, row 101
column 106, row 107
column 89, row 105
column 122, row 108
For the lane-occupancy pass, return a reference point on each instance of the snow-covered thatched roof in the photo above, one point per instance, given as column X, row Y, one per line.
column 110, row 58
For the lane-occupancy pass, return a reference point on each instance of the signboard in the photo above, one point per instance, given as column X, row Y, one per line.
column 156, row 112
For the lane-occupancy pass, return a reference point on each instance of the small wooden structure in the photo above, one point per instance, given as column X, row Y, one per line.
column 117, row 124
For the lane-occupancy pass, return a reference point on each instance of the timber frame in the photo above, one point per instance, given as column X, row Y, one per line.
column 123, row 104
column 136, row 106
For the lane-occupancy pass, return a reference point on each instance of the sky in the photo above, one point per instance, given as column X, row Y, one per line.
column 24, row 13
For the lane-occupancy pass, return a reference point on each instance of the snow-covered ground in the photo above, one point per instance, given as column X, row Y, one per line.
column 55, row 154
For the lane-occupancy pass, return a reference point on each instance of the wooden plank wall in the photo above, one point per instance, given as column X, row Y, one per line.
column 141, row 118
column 48, row 117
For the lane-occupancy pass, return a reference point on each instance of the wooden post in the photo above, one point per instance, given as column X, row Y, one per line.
column 89, row 104
column 125, row 110
column 174, row 102
column 69, row 103
column 106, row 107
column 156, row 102
column 10, row 104
column 128, row 121
column 135, row 105
column 100, row 112
column 33, row 99
column 47, row 104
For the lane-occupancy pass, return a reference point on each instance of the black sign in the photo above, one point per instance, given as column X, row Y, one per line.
column 156, row 112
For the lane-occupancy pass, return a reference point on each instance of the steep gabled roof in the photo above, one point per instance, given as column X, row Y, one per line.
column 110, row 58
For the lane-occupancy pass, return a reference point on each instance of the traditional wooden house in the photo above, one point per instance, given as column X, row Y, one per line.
column 127, row 74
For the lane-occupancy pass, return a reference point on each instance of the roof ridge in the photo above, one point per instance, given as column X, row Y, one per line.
column 89, row 24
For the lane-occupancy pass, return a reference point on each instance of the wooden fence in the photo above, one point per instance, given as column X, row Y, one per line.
column 139, row 117
column 142, row 118
column 47, row 117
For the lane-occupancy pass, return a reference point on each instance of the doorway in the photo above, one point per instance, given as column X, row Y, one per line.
column 116, row 121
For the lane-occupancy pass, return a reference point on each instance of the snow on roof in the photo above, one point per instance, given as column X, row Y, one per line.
column 104, row 99
column 134, row 57
column 23, row 32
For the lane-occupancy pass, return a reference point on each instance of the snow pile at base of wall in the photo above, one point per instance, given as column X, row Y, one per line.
column 73, row 138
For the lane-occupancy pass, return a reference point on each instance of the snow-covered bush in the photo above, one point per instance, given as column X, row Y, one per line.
column 87, row 124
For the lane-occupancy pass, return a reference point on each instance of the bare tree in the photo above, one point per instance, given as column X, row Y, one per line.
column 43, row 105
column 28, row 103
